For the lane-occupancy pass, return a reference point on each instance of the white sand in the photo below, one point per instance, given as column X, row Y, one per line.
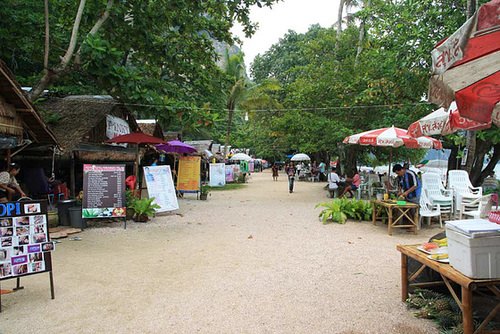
column 199, row 272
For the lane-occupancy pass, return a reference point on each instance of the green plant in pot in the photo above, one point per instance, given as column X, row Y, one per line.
column 204, row 191
column 144, row 208
column 130, row 198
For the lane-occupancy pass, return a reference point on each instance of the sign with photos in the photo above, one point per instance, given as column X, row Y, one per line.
column 25, row 245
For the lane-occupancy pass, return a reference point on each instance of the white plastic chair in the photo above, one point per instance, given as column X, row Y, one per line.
column 463, row 191
column 433, row 187
column 372, row 178
column 478, row 208
column 429, row 210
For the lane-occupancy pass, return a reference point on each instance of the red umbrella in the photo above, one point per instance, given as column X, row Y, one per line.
column 136, row 138
column 444, row 122
column 392, row 137
column 466, row 67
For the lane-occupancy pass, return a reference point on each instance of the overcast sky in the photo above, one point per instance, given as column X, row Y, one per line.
column 297, row 15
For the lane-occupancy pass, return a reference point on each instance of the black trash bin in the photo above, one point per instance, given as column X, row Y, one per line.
column 63, row 212
column 75, row 217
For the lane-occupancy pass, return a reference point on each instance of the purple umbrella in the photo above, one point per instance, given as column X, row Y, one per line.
column 176, row 146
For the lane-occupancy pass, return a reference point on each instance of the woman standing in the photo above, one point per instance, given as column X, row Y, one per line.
column 275, row 172
column 291, row 175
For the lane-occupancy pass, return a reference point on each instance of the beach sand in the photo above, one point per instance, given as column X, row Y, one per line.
column 253, row 260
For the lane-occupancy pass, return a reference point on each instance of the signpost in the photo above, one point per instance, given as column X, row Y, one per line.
column 188, row 180
column 25, row 244
column 104, row 192
column 161, row 186
column 217, row 175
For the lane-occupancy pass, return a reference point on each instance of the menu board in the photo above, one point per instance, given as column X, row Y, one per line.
column 217, row 175
column 103, row 191
column 25, row 245
column 161, row 187
column 188, row 180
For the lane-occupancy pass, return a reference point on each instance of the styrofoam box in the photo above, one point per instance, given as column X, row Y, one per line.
column 475, row 256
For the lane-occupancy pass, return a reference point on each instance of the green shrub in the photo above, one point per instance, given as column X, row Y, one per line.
column 340, row 209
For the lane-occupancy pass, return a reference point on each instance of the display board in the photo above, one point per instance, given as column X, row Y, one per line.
column 229, row 173
column 243, row 166
column 188, row 179
column 103, row 191
column 160, row 185
column 217, row 175
column 251, row 166
column 25, row 245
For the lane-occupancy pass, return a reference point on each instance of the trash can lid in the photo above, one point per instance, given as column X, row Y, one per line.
column 68, row 201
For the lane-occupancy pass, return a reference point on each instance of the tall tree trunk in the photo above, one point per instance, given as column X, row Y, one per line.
column 452, row 160
column 471, row 8
column 491, row 165
column 482, row 148
column 361, row 34
column 339, row 18
column 226, row 144
column 47, row 39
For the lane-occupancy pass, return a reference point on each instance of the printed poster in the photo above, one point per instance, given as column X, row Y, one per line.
column 229, row 173
column 103, row 191
column 161, row 186
column 24, row 239
column 217, row 175
column 188, row 179
column 251, row 166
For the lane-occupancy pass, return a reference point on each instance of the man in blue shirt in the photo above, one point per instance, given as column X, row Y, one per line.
column 409, row 184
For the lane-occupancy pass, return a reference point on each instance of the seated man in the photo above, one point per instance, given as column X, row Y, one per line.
column 9, row 185
column 333, row 182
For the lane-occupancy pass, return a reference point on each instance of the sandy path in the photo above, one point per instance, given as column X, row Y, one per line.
column 199, row 272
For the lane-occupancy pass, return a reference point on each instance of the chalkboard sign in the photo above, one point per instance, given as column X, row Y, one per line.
column 103, row 191
column 25, row 244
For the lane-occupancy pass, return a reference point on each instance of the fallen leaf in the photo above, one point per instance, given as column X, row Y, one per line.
column 250, row 237
column 351, row 242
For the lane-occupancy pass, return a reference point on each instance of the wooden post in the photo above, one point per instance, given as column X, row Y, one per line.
column 389, row 213
column 404, row 277
column 467, row 311
column 8, row 158
column 72, row 173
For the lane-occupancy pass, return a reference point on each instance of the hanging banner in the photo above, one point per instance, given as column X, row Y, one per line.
column 188, row 180
column 229, row 173
column 103, row 191
column 217, row 175
column 251, row 166
column 161, row 186
column 24, row 239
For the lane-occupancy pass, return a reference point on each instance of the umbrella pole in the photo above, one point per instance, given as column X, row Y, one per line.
column 390, row 160
column 137, row 168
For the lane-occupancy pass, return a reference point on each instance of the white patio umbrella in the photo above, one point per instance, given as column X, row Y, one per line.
column 241, row 157
column 300, row 157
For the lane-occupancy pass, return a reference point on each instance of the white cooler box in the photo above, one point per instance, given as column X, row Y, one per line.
column 474, row 247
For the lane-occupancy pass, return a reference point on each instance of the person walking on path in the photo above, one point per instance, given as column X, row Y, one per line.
column 291, row 175
column 275, row 169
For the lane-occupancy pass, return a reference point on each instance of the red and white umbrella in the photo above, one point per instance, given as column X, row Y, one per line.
column 466, row 67
column 444, row 122
column 392, row 137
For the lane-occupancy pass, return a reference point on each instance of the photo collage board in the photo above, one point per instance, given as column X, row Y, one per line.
column 25, row 244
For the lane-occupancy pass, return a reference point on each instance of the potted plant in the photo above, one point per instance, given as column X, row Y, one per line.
column 130, row 198
column 144, row 208
column 204, row 191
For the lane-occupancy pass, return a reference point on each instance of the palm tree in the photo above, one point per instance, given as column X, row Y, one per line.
column 235, row 70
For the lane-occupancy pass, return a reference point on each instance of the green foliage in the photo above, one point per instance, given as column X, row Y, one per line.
column 145, row 206
column 229, row 186
column 130, row 198
column 340, row 209
column 204, row 189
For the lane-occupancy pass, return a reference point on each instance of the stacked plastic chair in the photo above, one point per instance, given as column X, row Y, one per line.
column 429, row 210
column 437, row 194
column 463, row 191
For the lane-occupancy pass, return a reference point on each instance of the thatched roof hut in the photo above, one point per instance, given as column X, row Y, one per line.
column 19, row 119
column 84, row 124
column 151, row 127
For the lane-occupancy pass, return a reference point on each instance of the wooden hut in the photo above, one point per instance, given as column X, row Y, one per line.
column 151, row 127
column 21, row 125
column 85, row 122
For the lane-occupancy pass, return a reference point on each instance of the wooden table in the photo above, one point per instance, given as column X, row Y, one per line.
column 390, row 208
column 448, row 273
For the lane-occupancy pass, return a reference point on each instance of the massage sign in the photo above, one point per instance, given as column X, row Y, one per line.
column 25, row 245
